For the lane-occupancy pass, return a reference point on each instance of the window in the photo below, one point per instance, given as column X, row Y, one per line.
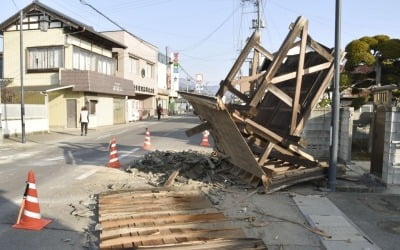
column 133, row 65
column 86, row 60
column 149, row 70
column 45, row 59
column 92, row 107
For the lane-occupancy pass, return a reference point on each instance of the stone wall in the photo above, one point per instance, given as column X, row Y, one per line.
column 317, row 133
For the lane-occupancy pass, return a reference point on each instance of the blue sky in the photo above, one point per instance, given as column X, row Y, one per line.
column 209, row 33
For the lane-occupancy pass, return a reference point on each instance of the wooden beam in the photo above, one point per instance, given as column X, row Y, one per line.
column 266, row 153
column 301, row 152
column 314, row 102
column 263, row 132
column 263, row 51
column 299, row 79
column 239, row 94
column 256, row 58
column 198, row 129
column 268, row 135
column 249, row 78
column 171, row 179
column 280, row 94
column 294, row 159
column 320, row 49
column 238, row 64
column 277, row 61
column 306, row 71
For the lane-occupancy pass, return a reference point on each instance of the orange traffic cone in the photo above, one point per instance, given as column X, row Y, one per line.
column 114, row 161
column 204, row 141
column 30, row 217
column 147, row 144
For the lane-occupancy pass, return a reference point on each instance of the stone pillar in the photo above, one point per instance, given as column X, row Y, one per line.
column 391, row 153
column 345, row 134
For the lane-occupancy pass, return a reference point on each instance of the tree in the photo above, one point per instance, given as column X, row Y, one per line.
column 380, row 51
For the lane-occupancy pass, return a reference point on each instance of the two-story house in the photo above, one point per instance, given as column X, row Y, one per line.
column 137, row 62
column 67, row 66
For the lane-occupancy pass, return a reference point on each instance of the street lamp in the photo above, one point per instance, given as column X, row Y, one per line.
column 44, row 25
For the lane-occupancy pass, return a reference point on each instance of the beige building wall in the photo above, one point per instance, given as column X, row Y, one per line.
column 31, row 38
column 58, row 107
column 141, row 50
column 57, row 104
column 34, row 98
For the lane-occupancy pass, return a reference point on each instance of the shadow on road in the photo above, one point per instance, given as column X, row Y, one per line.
column 54, row 236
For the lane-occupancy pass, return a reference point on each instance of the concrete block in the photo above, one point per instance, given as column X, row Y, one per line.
column 394, row 156
column 391, row 175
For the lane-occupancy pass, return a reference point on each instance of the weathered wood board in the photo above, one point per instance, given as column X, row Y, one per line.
column 167, row 219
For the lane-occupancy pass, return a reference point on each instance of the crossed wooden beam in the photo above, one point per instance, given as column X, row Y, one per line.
column 276, row 100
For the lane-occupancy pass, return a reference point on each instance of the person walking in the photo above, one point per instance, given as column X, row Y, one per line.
column 159, row 111
column 84, row 120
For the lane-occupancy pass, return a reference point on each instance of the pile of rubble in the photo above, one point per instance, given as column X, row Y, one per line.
column 167, row 168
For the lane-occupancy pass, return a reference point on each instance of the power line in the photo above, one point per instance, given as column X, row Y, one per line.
column 212, row 33
column 15, row 4
column 116, row 24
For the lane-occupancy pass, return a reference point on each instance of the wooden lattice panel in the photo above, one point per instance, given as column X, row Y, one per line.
column 259, row 129
column 166, row 219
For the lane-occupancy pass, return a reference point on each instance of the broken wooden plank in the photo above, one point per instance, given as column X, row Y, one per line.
column 181, row 235
column 171, row 179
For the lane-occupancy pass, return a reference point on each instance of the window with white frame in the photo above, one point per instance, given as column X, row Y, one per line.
column 149, row 70
column 133, row 65
column 45, row 58
column 86, row 60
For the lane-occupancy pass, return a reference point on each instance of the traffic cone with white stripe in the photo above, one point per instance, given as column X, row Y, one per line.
column 114, row 161
column 147, row 143
column 29, row 216
column 204, row 140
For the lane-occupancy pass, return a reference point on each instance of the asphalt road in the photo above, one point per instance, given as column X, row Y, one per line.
column 69, row 169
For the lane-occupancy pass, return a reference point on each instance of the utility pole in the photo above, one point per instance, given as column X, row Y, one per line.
column 258, row 15
column 335, row 103
column 258, row 23
column 21, row 58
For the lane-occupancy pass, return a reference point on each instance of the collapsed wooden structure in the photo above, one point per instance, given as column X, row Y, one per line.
column 167, row 219
column 260, row 133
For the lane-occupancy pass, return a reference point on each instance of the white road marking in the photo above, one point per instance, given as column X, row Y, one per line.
column 128, row 153
column 103, row 136
column 55, row 158
column 113, row 134
column 86, row 175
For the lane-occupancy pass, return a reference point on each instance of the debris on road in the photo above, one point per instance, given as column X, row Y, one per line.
column 168, row 168
column 83, row 209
